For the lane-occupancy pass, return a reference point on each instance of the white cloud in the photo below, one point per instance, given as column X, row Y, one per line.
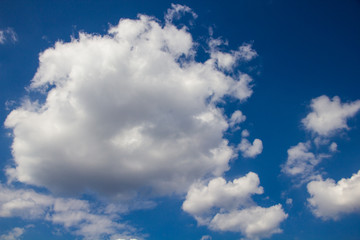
column 7, row 34
column 2, row 37
column 246, row 52
column 329, row 115
column 126, row 113
column 227, row 61
column 236, row 118
column 301, row 162
column 254, row 222
column 23, row 203
column 177, row 11
column 330, row 199
column 74, row 215
column 250, row 150
column 245, row 133
column 227, row 206
column 206, row 237
column 14, row 234
column 333, row 147
column 221, row 194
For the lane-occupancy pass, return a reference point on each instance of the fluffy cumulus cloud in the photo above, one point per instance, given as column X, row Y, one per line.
column 227, row 206
column 236, row 118
column 249, row 150
column 300, row 161
column 255, row 222
column 329, row 115
column 221, row 194
column 127, row 113
column 75, row 215
column 330, row 199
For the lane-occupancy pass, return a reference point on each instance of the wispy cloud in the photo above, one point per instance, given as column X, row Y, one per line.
column 7, row 35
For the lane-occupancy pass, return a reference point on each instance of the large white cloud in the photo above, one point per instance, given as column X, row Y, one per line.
column 227, row 206
column 329, row 115
column 74, row 215
column 330, row 199
column 126, row 113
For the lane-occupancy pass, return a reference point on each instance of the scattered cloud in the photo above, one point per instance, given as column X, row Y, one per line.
column 254, row 222
column 218, row 193
column 301, row 161
column 226, row 61
column 14, row 234
column 250, row 150
column 333, row 147
column 330, row 199
column 236, row 118
column 118, row 107
column 206, row 237
column 329, row 115
column 289, row 201
column 177, row 11
column 227, row 206
column 7, row 35
column 75, row 215
column 245, row 133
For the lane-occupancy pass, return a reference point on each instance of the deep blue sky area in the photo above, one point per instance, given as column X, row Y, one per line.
column 305, row 49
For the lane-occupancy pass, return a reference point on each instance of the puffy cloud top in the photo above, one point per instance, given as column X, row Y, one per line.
column 300, row 160
column 227, row 206
column 255, row 222
column 200, row 198
column 329, row 115
column 125, row 113
column 250, row 150
column 330, row 199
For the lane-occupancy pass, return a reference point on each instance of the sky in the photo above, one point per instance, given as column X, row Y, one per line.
column 199, row 120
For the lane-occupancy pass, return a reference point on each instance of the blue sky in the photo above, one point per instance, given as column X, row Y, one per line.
column 185, row 120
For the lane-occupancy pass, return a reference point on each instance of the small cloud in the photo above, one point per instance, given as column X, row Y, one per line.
column 177, row 11
column 227, row 60
column 245, row 133
column 206, row 237
column 289, row 201
column 329, row 115
column 236, row 118
column 8, row 35
column 300, row 160
column 250, row 150
column 333, row 147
